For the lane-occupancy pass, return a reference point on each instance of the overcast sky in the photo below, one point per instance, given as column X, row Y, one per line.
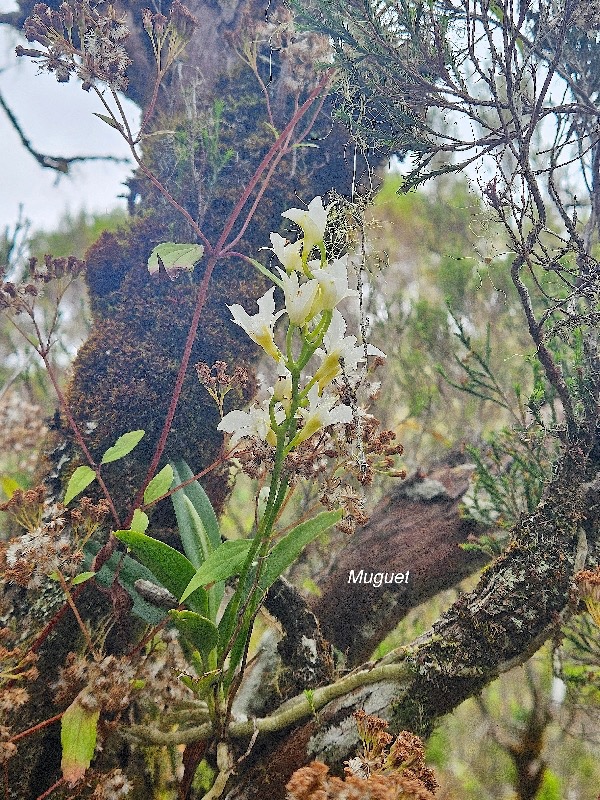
column 59, row 120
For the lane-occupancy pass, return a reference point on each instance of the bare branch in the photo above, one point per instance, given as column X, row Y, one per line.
column 60, row 164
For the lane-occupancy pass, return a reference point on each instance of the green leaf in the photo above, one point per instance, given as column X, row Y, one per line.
column 159, row 485
column 130, row 571
column 287, row 550
column 200, row 686
column 220, row 565
column 82, row 578
column 171, row 568
column 200, row 501
column 9, row 485
column 78, row 730
column 139, row 521
column 122, row 446
column 198, row 630
column 79, row 480
column 203, row 546
column 109, row 120
column 175, row 256
column 198, row 527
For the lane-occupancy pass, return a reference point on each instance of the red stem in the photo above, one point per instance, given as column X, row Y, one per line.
column 152, row 104
column 282, row 153
column 263, row 164
column 171, row 200
column 39, row 641
column 149, row 636
column 75, row 428
column 37, row 727
column 49, row 791
column 221, row 460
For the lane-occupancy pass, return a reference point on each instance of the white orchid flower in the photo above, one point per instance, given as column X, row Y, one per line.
column 333, row 285
column 299, row 298
column 313, row 222
column 320, row 413
column 338, row 347
column 282, row 389
column 259, row 327
column 288, row 254
column 255, row 422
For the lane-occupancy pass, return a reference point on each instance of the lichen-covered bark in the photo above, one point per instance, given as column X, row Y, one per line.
column 518, row 603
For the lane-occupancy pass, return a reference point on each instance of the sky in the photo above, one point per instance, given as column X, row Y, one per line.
column 59, row 120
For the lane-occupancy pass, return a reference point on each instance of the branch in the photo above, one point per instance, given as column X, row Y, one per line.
column 13, row 18
column 295, row 710
column 60, row 164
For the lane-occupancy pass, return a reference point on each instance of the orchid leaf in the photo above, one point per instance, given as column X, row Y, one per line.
column 170, row 567
column 223, row 563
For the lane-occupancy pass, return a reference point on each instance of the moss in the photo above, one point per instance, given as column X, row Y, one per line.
column 124, row 375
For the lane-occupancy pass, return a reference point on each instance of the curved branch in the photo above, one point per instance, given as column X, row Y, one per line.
column 60, row 164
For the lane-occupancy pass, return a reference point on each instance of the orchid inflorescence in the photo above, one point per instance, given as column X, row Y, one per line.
column 302, row 404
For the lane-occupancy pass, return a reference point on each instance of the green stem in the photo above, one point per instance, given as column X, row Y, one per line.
column 290, row 713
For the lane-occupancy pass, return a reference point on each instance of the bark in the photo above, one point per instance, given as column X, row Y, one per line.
column 418, row 528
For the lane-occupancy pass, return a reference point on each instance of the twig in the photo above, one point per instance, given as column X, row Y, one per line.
column 36, row 728
column 291, row 712
column 49, row 791
column 58, row 163
column 74, row 609
column 64, row 407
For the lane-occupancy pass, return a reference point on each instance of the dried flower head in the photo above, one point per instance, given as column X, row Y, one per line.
column 373, row 735
column 314, row 783
column 112, row 786
column 7, row 748
column 79, row 40
column 169, row 35
column 588, row 586
column 46, row 548
column 105, row 684
column 17, row 666
column 218, row 383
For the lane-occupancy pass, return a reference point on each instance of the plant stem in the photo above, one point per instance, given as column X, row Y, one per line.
column 290, row 713
column 75, row 610
column 64, row 407
column 36, row 728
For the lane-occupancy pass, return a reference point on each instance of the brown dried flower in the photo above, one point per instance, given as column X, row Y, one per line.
column 97, row 54
column 7, row 748
column 588, row 586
